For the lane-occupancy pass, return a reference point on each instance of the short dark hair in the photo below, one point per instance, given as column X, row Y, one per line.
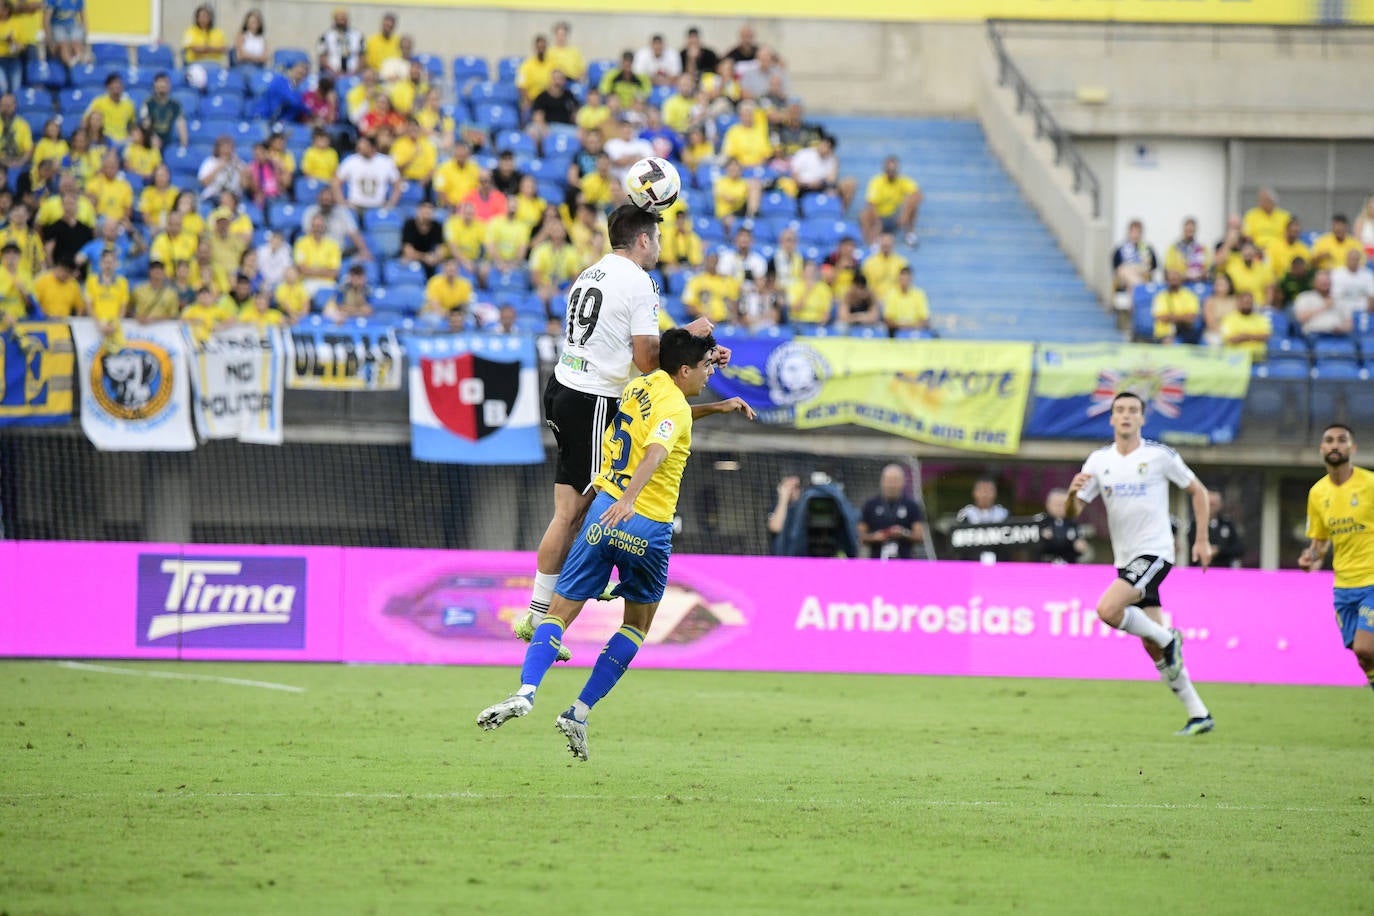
column 110, row 78
column 1129, row 394
column 1348, row 431
column 986, row 478
column 11, row 248
column 156, row 264
column 626, row 223
column 677, row 348
column 1339, row 218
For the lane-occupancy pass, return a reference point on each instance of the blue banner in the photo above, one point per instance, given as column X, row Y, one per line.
column 474, row 399
column 1193, row 395
column 37, row 363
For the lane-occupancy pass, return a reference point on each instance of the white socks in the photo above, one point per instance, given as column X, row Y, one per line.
column 1183, row 688
column 542, row 594
column 580, row 710
column 1135, row 622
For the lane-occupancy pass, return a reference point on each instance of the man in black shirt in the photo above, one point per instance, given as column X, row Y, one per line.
column 66, row 237
column 1227, row 547
column 892, row 523
column 698, row 59
column 557, row 104
column 506, row 176
column 1060, row 539
column 422, row 239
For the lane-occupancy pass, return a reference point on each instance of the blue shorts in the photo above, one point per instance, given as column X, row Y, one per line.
column 1354, row 611
column 639, row 549
column 66, row 32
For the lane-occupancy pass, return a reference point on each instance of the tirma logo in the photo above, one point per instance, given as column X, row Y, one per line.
column 221, row 602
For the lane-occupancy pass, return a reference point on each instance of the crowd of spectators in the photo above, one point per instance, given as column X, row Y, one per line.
column 367, row 179
column 1264, row 281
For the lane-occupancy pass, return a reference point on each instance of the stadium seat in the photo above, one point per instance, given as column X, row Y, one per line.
column 386, row 318
column 822, row 232
column 256, row 80
column 1279, row 320
column 673, row 306
column 434, row 66
column 224, row 105
column 764, row 233
column 496, row 117
column 372, row 269
column 1292, row 347
column 868, row 332
column 155, row 57
column 814, row 206
column 406, row 299
column 384, row 242
column 773, row 332
column 190, row 100
column 706, row 174
column 517, row 280
column 1284, row 367
column 1328, row 350
column 210, row 71
column 776, row 204
column 552, row 191
column 383, row 218
column 286, row 58
column 403, row 273
column 492, row 93
column 597, row 69
column 561, row 145
column 516, row 142
column 659, row 94
column 530, row 324
column 729, row 331
column 814, row 330
column 507, row 67
column 35, row 97
column 92, row 76
column 467, row 68
column 913, row 334
column 45, row 73
column 285, row 218
column 321, row 298
column 72, row 102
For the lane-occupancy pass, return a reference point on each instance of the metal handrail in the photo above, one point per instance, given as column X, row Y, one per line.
column 1065, row 151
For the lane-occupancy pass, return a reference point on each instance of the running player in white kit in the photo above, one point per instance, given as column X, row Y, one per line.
column 1132, row 475
column 611, row 333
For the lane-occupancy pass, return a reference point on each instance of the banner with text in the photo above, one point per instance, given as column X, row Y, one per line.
column 474, row 399
column 342, row 358
column 960, row 394
column 237, row 380
column 36, row 373
column 136, row 396
column 1193, row 395
column 719, row 612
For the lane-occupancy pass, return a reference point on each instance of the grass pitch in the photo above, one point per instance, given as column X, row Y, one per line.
column 371, row 790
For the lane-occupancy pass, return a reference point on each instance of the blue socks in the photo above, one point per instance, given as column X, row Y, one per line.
column 615, row 658
column 543, row 651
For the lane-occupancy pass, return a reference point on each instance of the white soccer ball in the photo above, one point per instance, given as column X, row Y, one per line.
column 653, row 184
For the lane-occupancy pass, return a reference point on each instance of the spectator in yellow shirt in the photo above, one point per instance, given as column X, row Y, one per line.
column 593, row 114
column 1281, row 252
column 679, row 246
column 565, row 56
column 880, row 268
column 464, row 235
column 141, row 157
column 1188, row 256
column 16, row 138
column 1249, row 274
column 1245, row 329
column 107, row 293
column 112, row 196
column 1264, row 223
column 456, row 178
column 1329, row 250
column 208, row 311
column 175, row 245
column 318, row 257
column 384, row 46
column 157, row 299
column 57, row 292
column 892, row 203
column 32, row 255
column 810, row 300
column 407, row 93
column 507, row 242
column 203, row 41
column 554, row 262
column 115, row 107
column 712, row 294
column 598, row 187
column 448, row 295
column 50, row 145
column 905, row 307
column 259, row 311
column 1176, row 311
column 320, row 161
column 291, row 296
column 415, row 154
column 533, row 75
column 205, row 272
column 529, row 206
column 747, row 142
column 734, row 196
column 16, row 285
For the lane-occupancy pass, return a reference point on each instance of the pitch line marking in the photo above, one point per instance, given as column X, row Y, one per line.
column 180, row 676
column 505, row 796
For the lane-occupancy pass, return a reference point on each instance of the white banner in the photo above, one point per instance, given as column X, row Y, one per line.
column 135, row 396
column 236, row 377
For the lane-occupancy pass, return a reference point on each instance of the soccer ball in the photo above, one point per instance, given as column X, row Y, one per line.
column 653, row 184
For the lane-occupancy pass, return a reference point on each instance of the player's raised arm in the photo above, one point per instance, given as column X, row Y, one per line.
column 729, row 405
column 1202, row 510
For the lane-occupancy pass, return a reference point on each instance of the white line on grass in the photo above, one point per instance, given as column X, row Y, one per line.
column 889, row 801
column 180, row 676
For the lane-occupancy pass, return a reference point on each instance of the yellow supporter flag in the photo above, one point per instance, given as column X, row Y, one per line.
column 37, row 363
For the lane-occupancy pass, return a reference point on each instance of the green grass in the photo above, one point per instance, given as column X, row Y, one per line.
column 372, row 791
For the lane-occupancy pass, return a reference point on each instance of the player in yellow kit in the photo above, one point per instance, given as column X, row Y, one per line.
column 629, row 527
column 1340, row 513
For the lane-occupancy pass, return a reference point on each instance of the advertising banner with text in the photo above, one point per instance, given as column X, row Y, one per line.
column 721, row 613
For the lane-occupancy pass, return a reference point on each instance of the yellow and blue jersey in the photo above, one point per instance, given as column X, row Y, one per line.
column 1344, row 515
column 653, row 411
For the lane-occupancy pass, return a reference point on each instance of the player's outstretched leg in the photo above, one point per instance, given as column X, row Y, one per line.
column 539, row 658
column 1363, row 644
column 524, row 629
column 512, row 707
column 610, row 665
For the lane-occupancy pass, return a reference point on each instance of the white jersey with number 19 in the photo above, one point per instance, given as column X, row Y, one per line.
column 609, row 304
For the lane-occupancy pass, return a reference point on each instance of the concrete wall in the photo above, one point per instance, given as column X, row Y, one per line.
column 837, row 67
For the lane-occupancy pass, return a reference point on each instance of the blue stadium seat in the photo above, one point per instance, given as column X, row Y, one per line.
column 45, row 73
column 710, row 229
column 1310, row 237
column 1142, row 321
column 403, row 273
column 561, row 145
column 517, row 281
column 773, row 332
column 285, row 58
column 92, row 76
column 724, row 122
column 1342, row 369
column 706, row 174
column 529, row 324
column 211, row 71
column 777, row 204
column 659, row 94
column 516, row 142
column 412, row 192
column 1280, row 321
column 496, row 117
column 913, row 334
column 552, row 192
column 1288, row 348
column 507, row 67
column 1284, row 366
column 556, row 164
column 155, row 57
column 492, row 93
column 190, row 100
column 225, row 105
column 285, row 218
column 818, row 205
column 597, row 69
column 814, row 330
column 406, row 299
column 384, row 219
column 469, row 67
column 1334, row 349
column 822, row 232
column 764, row 234
column 321, row 298
column 868, row 331
column 35, row 97
column 223, row 80
column 386, row 318
column 372, row 269
column 256, row 80
column 434, row 66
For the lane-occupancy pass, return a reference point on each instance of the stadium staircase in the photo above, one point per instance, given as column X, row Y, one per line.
column 991, row 268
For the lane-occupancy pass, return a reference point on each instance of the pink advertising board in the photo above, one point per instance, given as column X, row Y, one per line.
column 729, row 613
